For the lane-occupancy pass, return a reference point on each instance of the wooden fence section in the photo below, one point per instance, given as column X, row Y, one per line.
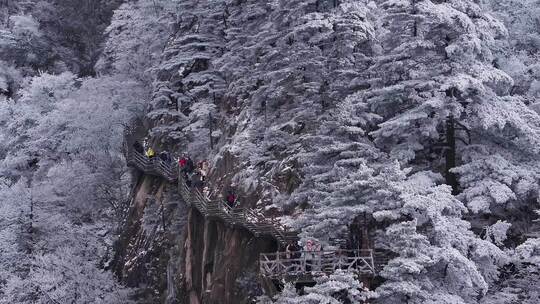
column 304, row 265
column 250, row 219
column 152, row 166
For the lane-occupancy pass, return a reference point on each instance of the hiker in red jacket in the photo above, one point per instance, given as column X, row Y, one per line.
column 230, row 195
column 231, row 199
column 182, row 161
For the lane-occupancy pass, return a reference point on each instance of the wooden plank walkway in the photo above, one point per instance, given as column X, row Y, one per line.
column 152, row 166
column 291, row 266
column 250, row 219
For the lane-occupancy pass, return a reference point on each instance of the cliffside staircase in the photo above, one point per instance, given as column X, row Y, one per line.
column 250, row 219
column 298, row 267
column 152, row 166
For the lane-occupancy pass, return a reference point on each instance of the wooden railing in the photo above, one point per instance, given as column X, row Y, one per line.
column 250, row 219
column 253, row 221
column 153, row 166
column 280, row 265
column 306, row 264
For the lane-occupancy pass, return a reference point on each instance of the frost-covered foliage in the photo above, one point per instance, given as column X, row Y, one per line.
column 61, row 148
column 518, row 55
column 409, row 113
column 519, row 281
column 22, row 42
column 499, row 168
column 333, row 110
column 54, row 35
column 439, row 74
column 63, row 277
column 136, row 37
column 337, row 288
column 438, row 256
column 440, row 259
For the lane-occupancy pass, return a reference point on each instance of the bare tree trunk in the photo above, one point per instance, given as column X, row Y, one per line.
column 450, row 154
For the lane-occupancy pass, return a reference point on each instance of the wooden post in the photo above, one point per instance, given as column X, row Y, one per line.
column 265, row 111
column 303, row 268
column 365, row 234
column 278, row 264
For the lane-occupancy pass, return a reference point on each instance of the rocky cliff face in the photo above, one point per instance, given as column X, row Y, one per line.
column 178, row 256
column 148, row 253
column 221, row 262
column 245, row 85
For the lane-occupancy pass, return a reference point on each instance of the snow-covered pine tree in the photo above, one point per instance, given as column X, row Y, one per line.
column 337, row 288
column 439, row 259
column 518, row 55
column 340, row 165
column 434, row 67
column 445, row 103
column 137, row 35
column 188, row 88
column 419, row 222
column 288, row 93
column 519, row 279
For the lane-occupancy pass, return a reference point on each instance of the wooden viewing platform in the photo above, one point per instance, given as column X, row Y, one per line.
column 301, row 266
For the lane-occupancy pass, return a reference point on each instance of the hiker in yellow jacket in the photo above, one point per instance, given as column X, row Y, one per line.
column 150, row 153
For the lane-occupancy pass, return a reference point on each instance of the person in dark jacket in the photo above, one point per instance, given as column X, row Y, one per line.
column 197, row 180
column 164, row 156
column 190, row 166
column 231, row 199
column 138, row 147
column 294, row 252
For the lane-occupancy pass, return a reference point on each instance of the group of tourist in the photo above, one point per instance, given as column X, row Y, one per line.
column 195, row 176
column 310, row 253
column 315, row 258
column 149, row 152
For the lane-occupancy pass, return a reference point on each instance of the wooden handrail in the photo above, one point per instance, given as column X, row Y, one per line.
column 312, row 263
column 284, row 254
column 273, row 265
column 251, row 219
